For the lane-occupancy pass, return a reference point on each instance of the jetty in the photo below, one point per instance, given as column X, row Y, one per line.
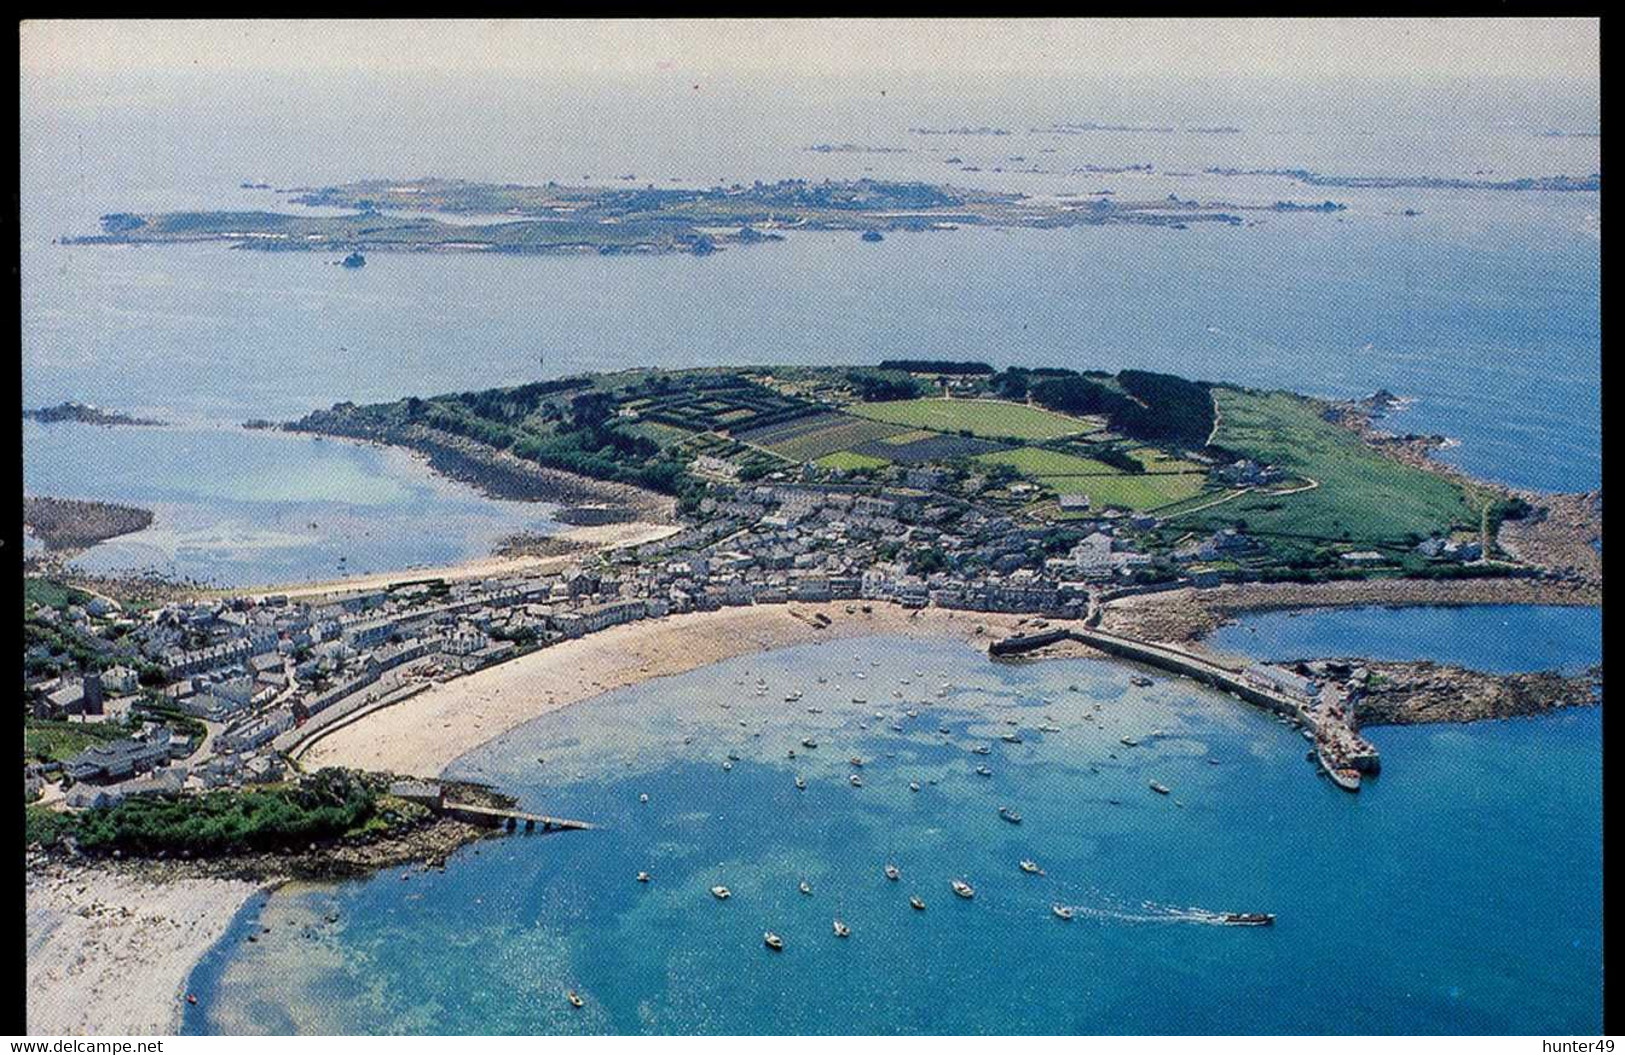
column 501, row 817
column 1328, row 716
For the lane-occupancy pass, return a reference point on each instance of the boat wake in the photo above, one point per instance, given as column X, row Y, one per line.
column 1151, row 912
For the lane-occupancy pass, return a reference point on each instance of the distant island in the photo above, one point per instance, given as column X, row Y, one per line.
column 84, row 414
column 558, row 219
column 1592, row 182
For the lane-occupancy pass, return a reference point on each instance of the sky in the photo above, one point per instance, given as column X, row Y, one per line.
column 1306, row 49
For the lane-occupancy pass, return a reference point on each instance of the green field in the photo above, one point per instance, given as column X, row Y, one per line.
column 830, row 436
column 1035, row 461
column 1104, row 484
column 849, row 460
column 991, row 419
column 1364, row 497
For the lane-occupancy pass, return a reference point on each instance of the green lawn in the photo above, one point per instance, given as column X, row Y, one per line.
column 988, row 418
column 849, row 460
column 1104, row 484
column 1035, row 461
column 1364, row 498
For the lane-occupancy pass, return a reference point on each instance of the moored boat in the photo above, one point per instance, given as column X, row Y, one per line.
column 805, row 887
column 1129, row 741
column 983, row 771
column 773, row 941
column 855, row 780
column 1010, row 815
column 575, row 1000
column 1031, row 868
column 721, row 893
column 643, row 877
column 892, row 873
column 963, row 889
column 801, row 784
column 1160, row 789
column 917, row 903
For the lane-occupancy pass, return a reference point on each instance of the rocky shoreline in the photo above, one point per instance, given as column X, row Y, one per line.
column 1424, row 692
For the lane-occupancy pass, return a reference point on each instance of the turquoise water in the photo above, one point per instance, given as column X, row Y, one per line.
column 1502, row 638
column 237, row 508
column 1458, row 893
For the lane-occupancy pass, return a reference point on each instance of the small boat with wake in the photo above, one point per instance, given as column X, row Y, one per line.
column 1248, row 919
column 842, row 930
column 1061, row 912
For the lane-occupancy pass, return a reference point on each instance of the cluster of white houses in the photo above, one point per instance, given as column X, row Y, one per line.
column 256, row 671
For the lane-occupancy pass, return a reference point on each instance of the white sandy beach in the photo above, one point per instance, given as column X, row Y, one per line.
column 426, row 733
column 108, row 953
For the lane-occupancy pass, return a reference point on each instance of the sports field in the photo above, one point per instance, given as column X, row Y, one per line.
column 988, row 418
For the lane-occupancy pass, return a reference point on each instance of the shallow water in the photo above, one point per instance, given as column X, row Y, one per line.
column 1459, row 892
column 237, row 508
column 1504, row 638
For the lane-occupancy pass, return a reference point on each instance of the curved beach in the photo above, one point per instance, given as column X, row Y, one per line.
column 424, row 734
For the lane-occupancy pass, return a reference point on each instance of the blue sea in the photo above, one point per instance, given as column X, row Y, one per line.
column 1459, row 892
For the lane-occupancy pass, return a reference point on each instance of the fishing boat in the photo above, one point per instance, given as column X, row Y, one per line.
column 963, row 889
column 1031, row 868
column 892, row 873
column 917, row 903
column 1010, row 815
column 1159, row 788
column 1061, row 912
column 1248, row 919
column 842, row 930
column 721, row 893
column 773, row 941
column 643, row 877
column 575, row 1001
column 855, row 780
column 805, row 887
column 983, row 771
